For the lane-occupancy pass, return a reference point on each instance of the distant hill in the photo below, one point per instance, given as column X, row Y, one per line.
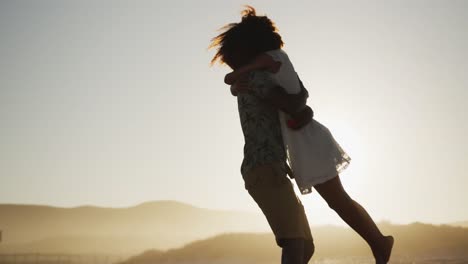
column 414, row 240
column 88, row 229
column 461, row 224
column 164, row 225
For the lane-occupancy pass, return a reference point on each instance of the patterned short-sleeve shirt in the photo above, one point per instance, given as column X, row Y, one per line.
column 260, row 124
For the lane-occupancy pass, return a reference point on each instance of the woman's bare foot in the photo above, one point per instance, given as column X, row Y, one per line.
column 382, row 255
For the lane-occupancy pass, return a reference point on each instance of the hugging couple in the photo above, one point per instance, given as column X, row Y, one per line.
column 282, row 138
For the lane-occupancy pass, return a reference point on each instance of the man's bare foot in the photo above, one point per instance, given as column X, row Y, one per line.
column 382, row 255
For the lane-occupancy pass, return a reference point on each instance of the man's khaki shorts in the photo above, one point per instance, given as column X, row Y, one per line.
column 274, row 193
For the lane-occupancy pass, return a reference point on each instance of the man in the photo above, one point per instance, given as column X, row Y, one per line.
column 264, row 171
column 264, row 167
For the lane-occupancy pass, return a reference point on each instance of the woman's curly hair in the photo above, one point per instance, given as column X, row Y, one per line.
column 250, row 37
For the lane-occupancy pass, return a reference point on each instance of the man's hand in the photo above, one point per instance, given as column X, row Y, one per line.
column 300, row 119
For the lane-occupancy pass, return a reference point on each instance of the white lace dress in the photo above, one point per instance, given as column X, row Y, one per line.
column 313, row 154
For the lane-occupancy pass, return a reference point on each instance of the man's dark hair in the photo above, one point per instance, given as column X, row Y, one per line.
column 243, row 41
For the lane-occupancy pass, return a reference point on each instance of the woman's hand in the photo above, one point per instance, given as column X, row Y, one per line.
column 240, row 86
column 230, row 78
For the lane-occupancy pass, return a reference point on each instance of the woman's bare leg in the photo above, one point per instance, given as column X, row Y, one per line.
column 356, row 217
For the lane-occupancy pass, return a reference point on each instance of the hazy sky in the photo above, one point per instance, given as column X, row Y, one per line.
column 113, row 103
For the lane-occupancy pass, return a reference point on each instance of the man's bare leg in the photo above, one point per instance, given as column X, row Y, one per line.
column 296, row 251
